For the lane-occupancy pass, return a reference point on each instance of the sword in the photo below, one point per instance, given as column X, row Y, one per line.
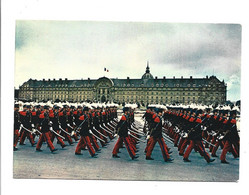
column 136, row 137
column 135, row 132
column 167, row 139
column 209, row 143
column 36, row 130
column 100, row 133
column 105, row 129
column 96, row 136
column 111, row 125
column 64, row 131
column 51, row 129
column 26, row 129
column 114, row 122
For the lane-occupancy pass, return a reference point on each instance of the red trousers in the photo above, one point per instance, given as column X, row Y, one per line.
column 16, row 137
column 46, row 137
column 68, row 137
column 151, row 144
column 59, row 139
column 26, row 134
column 103, row 143
column 128, row 146
column 217, row 144
column 200, row 148
column 184, row 144
column 177, row 137
column 94, row 142
column 84, row 141
column 228, row 147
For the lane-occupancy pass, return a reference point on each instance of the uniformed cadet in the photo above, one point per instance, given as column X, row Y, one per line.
column 17, row 124
column 84, row 133
column 25, row 118
column 45, row 136
column 156, row 136
column 231, row 137
column 195, row 136
column 122, row 131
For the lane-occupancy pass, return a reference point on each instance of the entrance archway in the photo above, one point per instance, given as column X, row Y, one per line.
column 103, row 99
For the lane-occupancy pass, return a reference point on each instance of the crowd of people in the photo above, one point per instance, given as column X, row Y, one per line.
column 200, row 128
column 66, row 123
column 92, row 126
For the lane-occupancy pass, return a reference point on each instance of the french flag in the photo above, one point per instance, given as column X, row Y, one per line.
column 106, row 70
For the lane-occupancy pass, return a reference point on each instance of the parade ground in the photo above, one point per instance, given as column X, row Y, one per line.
column 64, row 164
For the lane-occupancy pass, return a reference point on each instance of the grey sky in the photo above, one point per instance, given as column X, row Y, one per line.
column 80, row 49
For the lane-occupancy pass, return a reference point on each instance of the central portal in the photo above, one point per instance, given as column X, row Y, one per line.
column 104, row 89
column 103, row 99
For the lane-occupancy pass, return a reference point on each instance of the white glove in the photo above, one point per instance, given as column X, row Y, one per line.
column 68, row 125
column 50, row 128
column 185, row 135
column 74, row 123
column 33, row 125
column 21, row 125
column 148, row 137
column 115, row 135
column 59, row 126
column 90, row 131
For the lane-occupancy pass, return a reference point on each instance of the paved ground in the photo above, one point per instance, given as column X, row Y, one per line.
column 63, row 164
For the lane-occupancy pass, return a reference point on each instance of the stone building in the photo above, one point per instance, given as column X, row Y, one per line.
column 145, row 90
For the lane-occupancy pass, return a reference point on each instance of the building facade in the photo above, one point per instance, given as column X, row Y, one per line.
column 145, row 90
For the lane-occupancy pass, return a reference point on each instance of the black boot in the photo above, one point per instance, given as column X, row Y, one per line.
column 149, row 158
column 224, row 162
column 210, row 160
column 169, row 160
column 115, row 156
column 134, row 157
column 186, row 160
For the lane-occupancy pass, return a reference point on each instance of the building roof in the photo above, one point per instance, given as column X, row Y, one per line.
column 156, row 82
column 147, row 80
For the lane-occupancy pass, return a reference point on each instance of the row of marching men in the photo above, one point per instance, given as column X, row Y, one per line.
column 65, row 124
column 202, row 130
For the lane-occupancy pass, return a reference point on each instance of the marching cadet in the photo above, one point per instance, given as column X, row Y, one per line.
column 84, row 133
column 156, row 136
column 96, row 127
column 122, row 131
column 16, row 125
column 195, row 136
column 25, row 118
column 45, row 125
column 63, row 119
column 54, row 118
column 231, row 137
